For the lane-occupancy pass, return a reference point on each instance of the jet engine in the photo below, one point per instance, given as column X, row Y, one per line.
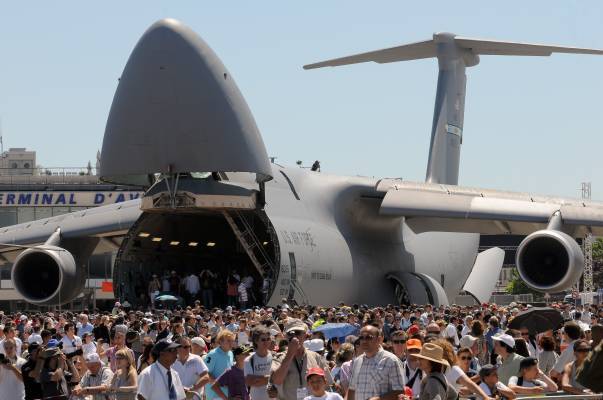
column 47, row 275
column 549, row 260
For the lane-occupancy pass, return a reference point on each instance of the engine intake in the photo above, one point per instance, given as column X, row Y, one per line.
column 549, row 261
column 47, row 275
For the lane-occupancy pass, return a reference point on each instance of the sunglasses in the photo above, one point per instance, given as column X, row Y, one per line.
column 401, row 341
column 367, row 337
column 585, row 350
column 184, row 347
column 266, row 339
column 466, row 358
column 525, row 333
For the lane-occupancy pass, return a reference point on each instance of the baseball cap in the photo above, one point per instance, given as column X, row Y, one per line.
column 315, row 345
column 93, row 358
column 164, row 345
column 295, row 325
column 315, row 371
column 241, row 350
column 52, row 343
column 198, row 341
column 506, row 339
column 413, row 330
column 468, row 341
column 413, row 344
column 487, row 370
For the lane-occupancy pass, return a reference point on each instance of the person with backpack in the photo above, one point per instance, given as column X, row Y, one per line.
column 492, row 386
column 531, row 380
column 259, row 364
column 434, row 385
column 412, row 373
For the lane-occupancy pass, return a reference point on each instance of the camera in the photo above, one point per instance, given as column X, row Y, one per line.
column 3, row 359
column 75, row 353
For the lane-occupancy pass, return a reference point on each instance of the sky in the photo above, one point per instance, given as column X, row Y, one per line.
column 531, row 124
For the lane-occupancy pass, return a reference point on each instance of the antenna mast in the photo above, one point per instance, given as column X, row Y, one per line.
column 588, row 285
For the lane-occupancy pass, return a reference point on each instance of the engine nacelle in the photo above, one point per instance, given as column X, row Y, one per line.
column 47, row 275
column 549, row 261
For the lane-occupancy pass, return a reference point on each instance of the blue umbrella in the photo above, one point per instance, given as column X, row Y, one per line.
column 166, row 297
column 340, row 330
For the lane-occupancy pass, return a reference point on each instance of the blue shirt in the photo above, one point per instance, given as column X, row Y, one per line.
column 491, row 332
column 85, row 329
column 217, row 362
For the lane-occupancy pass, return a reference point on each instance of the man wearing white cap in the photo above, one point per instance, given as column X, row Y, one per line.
column 96, row 380
column 198, row 346
column 504, row 346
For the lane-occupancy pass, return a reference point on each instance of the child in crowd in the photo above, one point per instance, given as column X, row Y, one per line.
column 318, row 384
column 234, row 377
column 531, row 379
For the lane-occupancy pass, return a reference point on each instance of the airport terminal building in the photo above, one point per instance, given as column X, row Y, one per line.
column 29, row 192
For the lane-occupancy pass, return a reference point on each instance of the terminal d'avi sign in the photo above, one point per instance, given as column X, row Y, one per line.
column 76, row 199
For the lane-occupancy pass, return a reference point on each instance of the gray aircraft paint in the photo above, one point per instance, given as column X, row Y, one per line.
column 346, row 235
column 454, row 54
column 178, row 109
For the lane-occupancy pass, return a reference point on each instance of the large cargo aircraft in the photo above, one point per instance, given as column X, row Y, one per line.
column 180, row 127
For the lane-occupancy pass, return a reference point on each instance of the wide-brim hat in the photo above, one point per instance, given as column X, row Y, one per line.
column 432, row 352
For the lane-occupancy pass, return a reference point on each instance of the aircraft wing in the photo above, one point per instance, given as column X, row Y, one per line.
column 109, row 222
column 449, row 208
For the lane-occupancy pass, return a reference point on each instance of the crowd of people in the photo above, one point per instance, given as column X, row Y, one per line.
column 197, row 352
column 209, row 286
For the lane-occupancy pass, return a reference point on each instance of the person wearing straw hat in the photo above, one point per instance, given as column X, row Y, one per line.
column 433, row 364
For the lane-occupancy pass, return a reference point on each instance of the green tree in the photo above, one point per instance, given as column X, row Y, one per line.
column 518, row 286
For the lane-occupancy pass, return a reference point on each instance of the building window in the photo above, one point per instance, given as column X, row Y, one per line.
column 13, row 165
column 26, row 165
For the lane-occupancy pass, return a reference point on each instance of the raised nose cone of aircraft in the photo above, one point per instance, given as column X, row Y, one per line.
column 178, row 109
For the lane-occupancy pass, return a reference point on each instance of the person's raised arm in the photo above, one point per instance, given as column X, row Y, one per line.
column 14, row 370
column 551, row 386
column 279, row 375
column 218, row 390
column 566, row 386
column 472, row 386
column 202, row 381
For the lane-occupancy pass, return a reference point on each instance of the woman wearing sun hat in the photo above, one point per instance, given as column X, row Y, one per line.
column 433, row 364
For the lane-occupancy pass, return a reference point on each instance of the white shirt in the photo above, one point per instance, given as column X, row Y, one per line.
column 191, row 284
column 409, row 373
column 567, row 356
column 12, row 388
column 526, row 383
column 18, row 343
column 242, row 338
column 451, row 332
column 261, row 367
column 153, row 383
column 89, row 348
column 190, row 371
column 453, row 374
column 71, row 345
column 499, row 386
column 326, row 396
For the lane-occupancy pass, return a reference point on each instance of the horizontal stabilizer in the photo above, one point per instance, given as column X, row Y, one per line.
column 429, row 49
column 412, row 51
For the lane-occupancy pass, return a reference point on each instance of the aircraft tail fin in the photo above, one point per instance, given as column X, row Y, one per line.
column 454, row 54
